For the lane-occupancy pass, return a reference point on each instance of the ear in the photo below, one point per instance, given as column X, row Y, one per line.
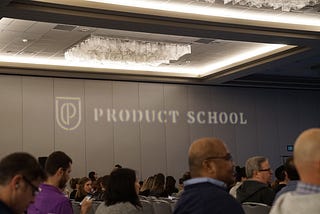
column 60, row 171
column 209, row 167
column 15, row 181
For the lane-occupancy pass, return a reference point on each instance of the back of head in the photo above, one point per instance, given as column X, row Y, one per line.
column 240, row 173
column 73, row 182
column 201, row 149
column 307, row 154
column 158, row 182
column 20, row 163
column 92, row 175
column 291, row 169
column 121, row 187
column 57, row 160
column 254, row 164
column 280, row 173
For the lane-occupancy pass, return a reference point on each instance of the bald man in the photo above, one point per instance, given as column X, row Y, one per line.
column 306, row 197
column 211, row 169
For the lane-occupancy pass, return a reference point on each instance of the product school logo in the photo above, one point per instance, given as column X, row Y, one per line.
column 68, row 112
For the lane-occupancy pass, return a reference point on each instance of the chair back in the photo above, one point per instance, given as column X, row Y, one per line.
column 255, row 208
column 161, row 207
column 147, row 207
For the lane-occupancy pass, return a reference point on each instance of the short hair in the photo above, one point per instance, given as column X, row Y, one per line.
column 279, row 173
column 291, row 170
column 57, row 160
column 73, row 182
column 20, row 163
column 121, row 188
column 240, row 173
column 91, row 175
column 254, row 164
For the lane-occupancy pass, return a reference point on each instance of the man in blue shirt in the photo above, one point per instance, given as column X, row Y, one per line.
column 20, row 175
column 51, row 198
column 211, row 169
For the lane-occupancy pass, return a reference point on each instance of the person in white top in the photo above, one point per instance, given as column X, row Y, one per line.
column 306, row 197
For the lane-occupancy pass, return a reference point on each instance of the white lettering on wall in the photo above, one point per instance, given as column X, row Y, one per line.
column 168, row 116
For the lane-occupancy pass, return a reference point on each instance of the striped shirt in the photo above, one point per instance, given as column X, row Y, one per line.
column 304, row 189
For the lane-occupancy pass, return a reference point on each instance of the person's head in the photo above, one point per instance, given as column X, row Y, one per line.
column 280, row 173
column 307, row 156
column 93, row 176
column 105, row 182
column 240, row 173
column 209, row 157
column 85, row 186
column 58, row 169
column 123, row 187
column 291, row 169
column 258, row 168
column 147, row 184
column 74, row 183
column 20, row 176
column 158, row 183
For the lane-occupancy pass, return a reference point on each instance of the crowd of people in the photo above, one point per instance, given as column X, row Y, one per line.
column 212, row 185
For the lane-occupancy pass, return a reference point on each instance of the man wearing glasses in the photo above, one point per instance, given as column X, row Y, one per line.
column 256, row 187
column 51, row 198
column 211, row 169
column 20, row 176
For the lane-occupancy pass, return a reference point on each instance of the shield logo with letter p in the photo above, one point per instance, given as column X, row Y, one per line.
column 68, row 112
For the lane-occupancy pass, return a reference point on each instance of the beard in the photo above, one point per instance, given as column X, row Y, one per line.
column 63, row 182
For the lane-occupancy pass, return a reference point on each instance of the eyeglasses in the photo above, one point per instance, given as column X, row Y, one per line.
column 35, row 190
column 265, row 170
column 227, row 157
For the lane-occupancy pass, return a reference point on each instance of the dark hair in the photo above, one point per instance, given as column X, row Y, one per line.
column 73, row 182
column 20, row 163
column 118, row 166
column 91, row 175
column 279, row 173
column 170, row 185
column 291, row 170
column 57, row 160
column 185, row 176
column 121, row 188
column 80, row 192
column 240, row 173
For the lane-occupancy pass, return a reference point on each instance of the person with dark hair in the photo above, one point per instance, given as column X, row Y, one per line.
column 121, row 194
column 186, row 176
column 292, row 175
column 20, row 176
column 170, row 185
column 74, row 184
column 281, row 179
column 93, row 176
column 85, row 189
column 51, row 198
column 103, row 184
column 211, row 169
column 240, row 176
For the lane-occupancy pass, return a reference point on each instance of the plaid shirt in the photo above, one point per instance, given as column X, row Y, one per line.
column 304, row 189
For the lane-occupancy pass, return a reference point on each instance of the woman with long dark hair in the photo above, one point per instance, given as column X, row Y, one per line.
column 121, row 194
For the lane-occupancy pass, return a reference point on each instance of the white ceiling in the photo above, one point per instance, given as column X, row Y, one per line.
column 55, row 26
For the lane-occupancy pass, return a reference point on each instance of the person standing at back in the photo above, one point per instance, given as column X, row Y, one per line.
column 256, row 187
column 211, row 169
column 51, row 199
column 306, row 197
column 20, row 176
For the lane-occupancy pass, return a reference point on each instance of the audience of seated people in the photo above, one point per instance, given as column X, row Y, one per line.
column 119, row 190
column 256, row 187
column 121, row 193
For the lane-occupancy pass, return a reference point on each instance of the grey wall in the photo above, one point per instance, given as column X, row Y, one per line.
column 29, row 122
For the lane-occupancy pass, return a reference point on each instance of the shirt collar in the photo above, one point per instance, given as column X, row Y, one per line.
column 304, row 188
column 205, row 180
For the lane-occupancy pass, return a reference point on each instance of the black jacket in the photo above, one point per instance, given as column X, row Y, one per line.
column 254, row 191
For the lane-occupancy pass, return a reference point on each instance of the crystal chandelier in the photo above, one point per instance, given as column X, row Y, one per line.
column 284, row 5
column 113, row 50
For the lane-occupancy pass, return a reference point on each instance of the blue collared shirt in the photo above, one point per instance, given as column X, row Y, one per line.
column 304, row 189
column 204, row 180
